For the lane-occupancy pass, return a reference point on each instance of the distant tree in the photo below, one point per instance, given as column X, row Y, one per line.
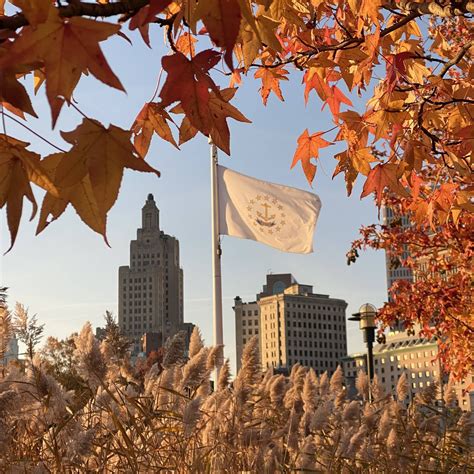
column 116, row 345
column 60, row 360
column 27, row 329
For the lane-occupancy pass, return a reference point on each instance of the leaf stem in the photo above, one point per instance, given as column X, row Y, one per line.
column 29, row 129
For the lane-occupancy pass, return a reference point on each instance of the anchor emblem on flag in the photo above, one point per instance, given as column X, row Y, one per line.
column 267, row 213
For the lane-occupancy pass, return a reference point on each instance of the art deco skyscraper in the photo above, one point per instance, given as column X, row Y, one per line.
column 151, row 286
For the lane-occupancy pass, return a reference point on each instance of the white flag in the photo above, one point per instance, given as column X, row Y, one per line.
column 276, row 215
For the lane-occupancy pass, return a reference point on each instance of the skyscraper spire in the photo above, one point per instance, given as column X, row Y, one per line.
column 150, row 214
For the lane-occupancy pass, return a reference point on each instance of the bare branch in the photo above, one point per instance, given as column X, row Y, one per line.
column 79, row 9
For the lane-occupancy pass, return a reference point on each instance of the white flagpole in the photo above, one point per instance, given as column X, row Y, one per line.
column 216, row 253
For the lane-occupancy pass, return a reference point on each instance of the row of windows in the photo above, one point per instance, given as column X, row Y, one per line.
column 311, row 316
column 137, row 302
column 140, row 294
column 406, row 356
column 136, row 318
column 249, row 331
column 310, row 353
column 137, row 280
column 140, row 310
column 321, row 326
column 249, row 312
column 315, row 344
column 250, row 322
column 308, row 306
column 148, row 255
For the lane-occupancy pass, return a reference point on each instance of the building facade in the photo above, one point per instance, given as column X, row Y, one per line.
column 412, row 355
column 294, row 325
column 151, row 286
column 395, row 271
column 247, row 325
column 11, row 354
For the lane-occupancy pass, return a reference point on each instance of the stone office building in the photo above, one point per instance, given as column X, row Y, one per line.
column 295, row 325
column 151, row 286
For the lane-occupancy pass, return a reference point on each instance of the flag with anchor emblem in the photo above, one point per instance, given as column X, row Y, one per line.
column 276, row 215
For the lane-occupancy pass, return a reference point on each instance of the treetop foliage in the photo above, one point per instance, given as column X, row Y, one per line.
column 411, row 58
column 410, row 61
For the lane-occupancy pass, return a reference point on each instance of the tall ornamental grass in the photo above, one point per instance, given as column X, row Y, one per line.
column 96, row 412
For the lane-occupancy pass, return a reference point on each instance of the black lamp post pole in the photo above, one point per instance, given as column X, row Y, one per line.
column 366, row 319
column 369, row 336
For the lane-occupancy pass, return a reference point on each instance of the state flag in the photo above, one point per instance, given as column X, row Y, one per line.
column 276, row 215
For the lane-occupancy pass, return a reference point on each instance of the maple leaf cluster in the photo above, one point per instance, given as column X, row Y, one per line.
column 416, row 81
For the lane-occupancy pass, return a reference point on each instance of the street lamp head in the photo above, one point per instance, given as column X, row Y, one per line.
column 367, row 314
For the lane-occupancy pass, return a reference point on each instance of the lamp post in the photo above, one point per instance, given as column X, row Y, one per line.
column 366, row 318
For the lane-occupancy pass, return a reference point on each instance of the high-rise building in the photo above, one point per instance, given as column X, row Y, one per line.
column 151, row 286
column 396, row 271
column 294, row 325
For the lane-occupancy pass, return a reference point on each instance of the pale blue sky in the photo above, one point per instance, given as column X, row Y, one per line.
column 68, row 275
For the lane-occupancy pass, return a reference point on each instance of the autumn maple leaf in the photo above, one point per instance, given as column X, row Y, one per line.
column 222, row 21
column 142, row 19
column 18, row 167
column 91, row 172
column 334, row 100
column 313, row 81
column 152, row 118
column 380, row 177
column 185, row 44
column 396, row 68
column 271, row 82
column 189, row 83
column 12, row 92
column 308, row 147
column 68, row 48
column 80, row 196
column 220, row 109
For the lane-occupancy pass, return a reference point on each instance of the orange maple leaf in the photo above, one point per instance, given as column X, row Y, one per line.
column 68, row 48
column 80, row 196
column 220, row 109
column 308, row 147
column 271, row 82
column 334, row 100
column 152, row 118
column 18, row 167
column 380, row 177
column 313, row 81
column 185, row 44
column 89, row 175
column 188, row 82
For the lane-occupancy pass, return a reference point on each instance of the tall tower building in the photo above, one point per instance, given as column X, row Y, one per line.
column 151, row 286
column 394, row 271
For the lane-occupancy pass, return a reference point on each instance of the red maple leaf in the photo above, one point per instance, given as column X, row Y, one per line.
column 396, row 68
column 189, row 83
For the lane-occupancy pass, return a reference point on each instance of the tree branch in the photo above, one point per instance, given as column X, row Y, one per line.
column 456, row 59
column 79, row 9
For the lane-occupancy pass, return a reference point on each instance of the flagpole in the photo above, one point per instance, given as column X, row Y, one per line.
column 216, row 253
